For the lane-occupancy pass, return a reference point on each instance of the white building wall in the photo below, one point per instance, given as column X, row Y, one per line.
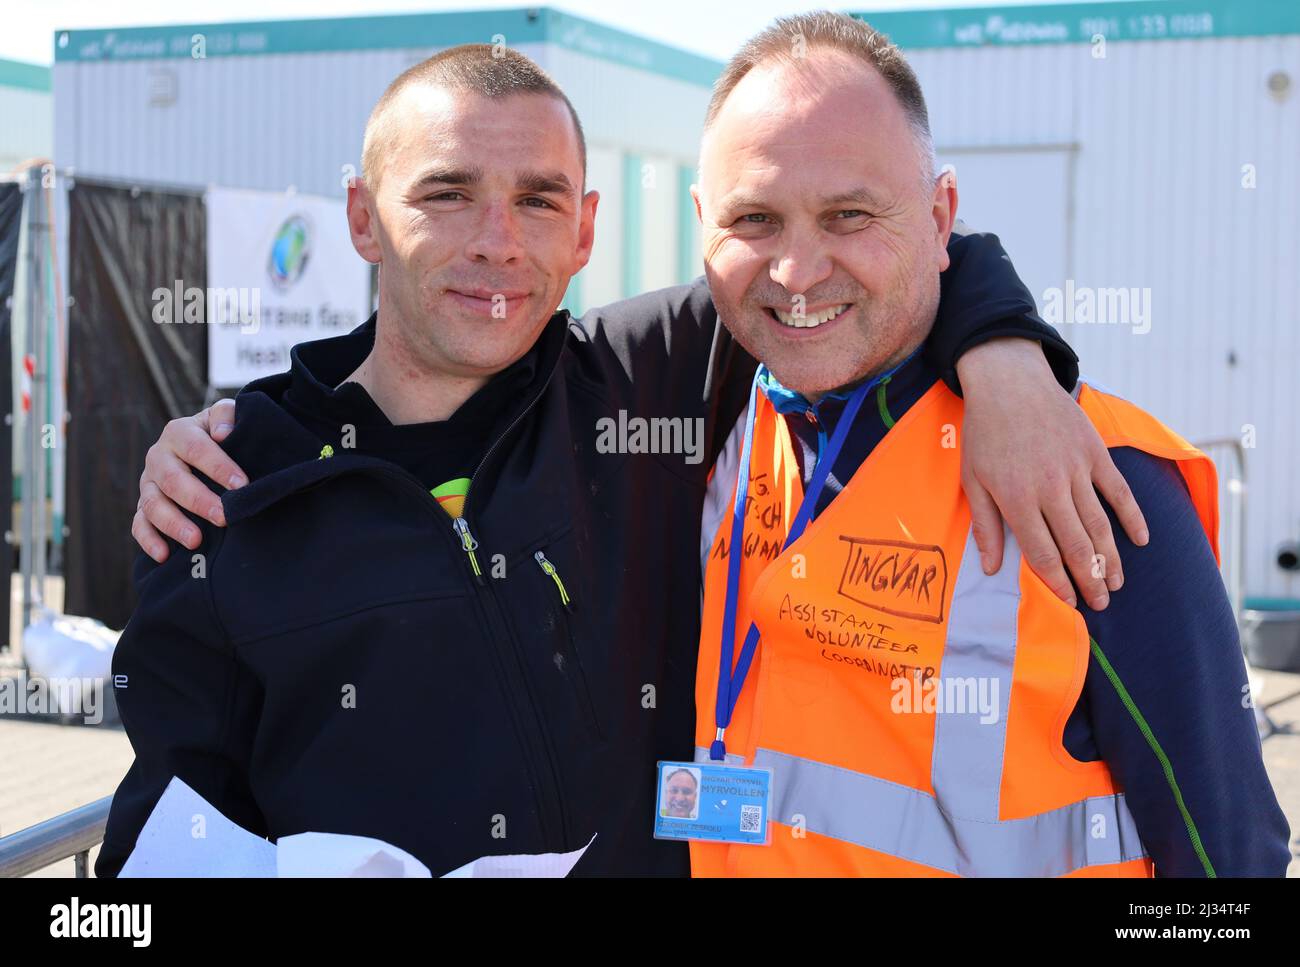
column 1153, row 139
column 266, row 121
column 271, row 121
column 692, row 263
column 660, row 205
column 636, row 109
column 26, row 126
column 601, row 282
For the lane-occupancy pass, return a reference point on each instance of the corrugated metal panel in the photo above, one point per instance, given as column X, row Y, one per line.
column 279, row 120
column 602, row 279
column 250, row 122
column 270, row 121
column 690, row 261
column 1025, row 100
column 643, row 112
column 521, row 28
column 1220, row 259
column 659, row 211
column 1163, row 129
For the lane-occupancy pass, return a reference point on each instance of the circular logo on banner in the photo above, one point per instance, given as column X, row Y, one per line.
column 289, row 251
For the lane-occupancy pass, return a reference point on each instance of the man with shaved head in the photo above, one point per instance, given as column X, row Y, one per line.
column 431, row 563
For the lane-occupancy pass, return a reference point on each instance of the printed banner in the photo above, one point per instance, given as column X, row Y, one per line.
column 281, row 270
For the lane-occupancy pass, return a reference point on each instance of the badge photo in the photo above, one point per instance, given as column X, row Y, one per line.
column 712, row 801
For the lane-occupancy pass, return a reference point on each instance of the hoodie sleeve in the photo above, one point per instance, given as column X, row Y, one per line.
column 982, row 298
column 188, row 707
column 1166, row 698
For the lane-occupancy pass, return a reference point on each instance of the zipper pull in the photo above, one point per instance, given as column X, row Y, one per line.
column 468, row 544
column 549, row 570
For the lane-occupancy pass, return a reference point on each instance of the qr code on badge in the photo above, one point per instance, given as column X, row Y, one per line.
column 751, row 819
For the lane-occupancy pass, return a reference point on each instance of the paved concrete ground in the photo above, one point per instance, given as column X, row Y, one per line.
column 1280, row 700
column 47, row 769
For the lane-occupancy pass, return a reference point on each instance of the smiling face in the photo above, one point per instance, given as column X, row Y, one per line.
column 822, row 247
column 680, row 793
column 478, row 222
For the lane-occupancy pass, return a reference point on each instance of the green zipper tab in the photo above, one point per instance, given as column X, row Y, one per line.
column 549, row 569
column 467, row 543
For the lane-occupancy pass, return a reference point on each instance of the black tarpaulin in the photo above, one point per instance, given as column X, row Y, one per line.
column 11, row 211
column 127, row 374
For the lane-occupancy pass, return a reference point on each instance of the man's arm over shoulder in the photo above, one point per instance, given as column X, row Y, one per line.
column 188, row 707
column 981, row 298
column 1165, row 702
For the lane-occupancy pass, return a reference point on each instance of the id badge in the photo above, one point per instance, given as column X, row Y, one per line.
column 712, row 801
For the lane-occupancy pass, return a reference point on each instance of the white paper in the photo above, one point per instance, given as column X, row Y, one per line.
column 186, row 836
column 334, row 854
column 523, row 865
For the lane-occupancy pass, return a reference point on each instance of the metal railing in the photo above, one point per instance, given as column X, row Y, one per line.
column 73, row 834
column 1232, row 505
column 1233, row 485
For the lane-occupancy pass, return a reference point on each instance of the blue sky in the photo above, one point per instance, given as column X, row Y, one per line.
column 710, row 27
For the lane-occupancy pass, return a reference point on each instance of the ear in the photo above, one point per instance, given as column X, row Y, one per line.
column 586, row 229
column 363, row 221
column 943, row 208
column 695, row 197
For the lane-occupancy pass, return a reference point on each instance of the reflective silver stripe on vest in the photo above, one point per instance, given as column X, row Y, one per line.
column 910, row 824
column 957, row 829
column 966, row 770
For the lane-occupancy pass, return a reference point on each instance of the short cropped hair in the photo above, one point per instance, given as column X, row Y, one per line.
column 485, row 69
column 790, row 39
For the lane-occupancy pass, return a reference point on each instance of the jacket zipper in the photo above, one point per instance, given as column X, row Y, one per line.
column 566, row 611
column 461, row 525
column 485, row 594
column 469, row 544
column 514, row 688
column 516, row 685
column 549, row 570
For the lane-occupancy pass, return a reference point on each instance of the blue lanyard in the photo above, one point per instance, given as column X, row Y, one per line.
column 729, row 683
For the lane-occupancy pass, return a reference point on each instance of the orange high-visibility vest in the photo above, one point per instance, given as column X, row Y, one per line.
column 910, row 707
